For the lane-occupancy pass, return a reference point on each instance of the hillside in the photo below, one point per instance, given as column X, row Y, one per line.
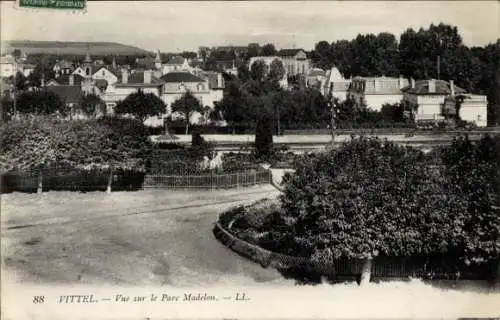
column 71, row 48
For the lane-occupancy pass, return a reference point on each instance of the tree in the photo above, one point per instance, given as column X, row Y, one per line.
column 20, row 81
column 141, row 105
column 392, row 112
column 276, row 70
column 42, row 70
column 7, row 108
column 187, row 104
column 124, row 145
column 264, row 137
column 259, row 70
column 479, row 188
column 39, row 102
column 371, row 198
column 322, row 55
column 91, row 105
column 253, row 50
column 189, row 54
column 268, row 50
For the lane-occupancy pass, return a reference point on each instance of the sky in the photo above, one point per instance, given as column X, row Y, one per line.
column 177, row 26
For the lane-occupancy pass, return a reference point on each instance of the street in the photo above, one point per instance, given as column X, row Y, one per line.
column 153, row 237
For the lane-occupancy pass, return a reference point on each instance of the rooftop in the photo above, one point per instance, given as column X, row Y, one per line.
column 68, row 94
column 181, row 77
column 176, row 60
column 422, row 88
column 289, row 52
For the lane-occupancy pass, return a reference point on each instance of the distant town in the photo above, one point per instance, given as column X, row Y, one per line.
column 373, row 80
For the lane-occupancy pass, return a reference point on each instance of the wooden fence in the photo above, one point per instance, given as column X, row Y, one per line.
column 208, row 181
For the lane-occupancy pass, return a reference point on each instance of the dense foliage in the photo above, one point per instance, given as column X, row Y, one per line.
column 42, row 143
column 40, row 102
column 374, row 199
column 92, row 105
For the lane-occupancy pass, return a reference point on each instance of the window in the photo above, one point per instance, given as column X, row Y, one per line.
column 103, row 73
column 87, row 71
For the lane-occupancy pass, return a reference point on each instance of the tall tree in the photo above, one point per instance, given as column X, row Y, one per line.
column 276, row 70
column 264, row 136
column 92, row 105
column 141, row 105
column 268, row 50
column 187, row 104
column 259, row 70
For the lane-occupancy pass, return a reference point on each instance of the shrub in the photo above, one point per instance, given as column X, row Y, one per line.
column 371, row 198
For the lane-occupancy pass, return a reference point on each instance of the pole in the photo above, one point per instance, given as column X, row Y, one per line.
column 438, row 66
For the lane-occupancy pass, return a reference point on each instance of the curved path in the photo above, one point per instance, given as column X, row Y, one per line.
column 154, row 237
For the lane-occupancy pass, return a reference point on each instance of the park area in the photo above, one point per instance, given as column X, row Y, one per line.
column 163, row 238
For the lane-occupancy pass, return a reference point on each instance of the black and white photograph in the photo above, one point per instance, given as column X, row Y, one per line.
column 250, row 159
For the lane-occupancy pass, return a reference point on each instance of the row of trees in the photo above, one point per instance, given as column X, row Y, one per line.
column 373, row 198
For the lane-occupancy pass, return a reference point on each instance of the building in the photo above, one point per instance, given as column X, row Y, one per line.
column 64, row 80
column 315, row 78
column 471, row 108
column 70, row 95
column 177, row 84
column 374, row 92
column 176, row 63
column 106, row 74
column 295, row 61
column 335, row 84
column 63, row 67
column 131, row 82
column 427, row 98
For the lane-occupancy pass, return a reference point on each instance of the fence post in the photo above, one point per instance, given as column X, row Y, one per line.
column 237, row 180
column 255, row 178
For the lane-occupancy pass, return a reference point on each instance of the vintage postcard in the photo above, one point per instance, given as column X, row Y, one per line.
column 250, row 159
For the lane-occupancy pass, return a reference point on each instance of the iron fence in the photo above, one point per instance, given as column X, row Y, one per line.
column 208, row 181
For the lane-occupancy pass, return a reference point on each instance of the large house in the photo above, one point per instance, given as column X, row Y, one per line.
column 427, row 97
column 374, row 92
column 335, row 84
column 315, row 78
column 295, row 61
column 131, row 82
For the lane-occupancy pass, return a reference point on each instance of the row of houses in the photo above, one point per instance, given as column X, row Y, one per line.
column 431, row 99
column 168, row 81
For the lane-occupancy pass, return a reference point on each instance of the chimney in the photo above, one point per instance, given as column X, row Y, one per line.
column 219, row 80
column 147, row 76
column 452, row 88
column 124, row 75
column 71, row 80
column 412, row 83
column 401, row 82
column 432, row 86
